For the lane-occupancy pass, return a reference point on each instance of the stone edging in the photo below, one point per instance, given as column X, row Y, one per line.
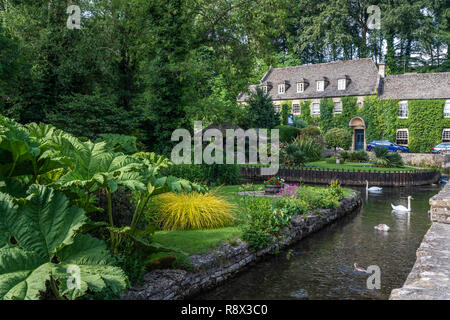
column 212, row 269
column 430, row 276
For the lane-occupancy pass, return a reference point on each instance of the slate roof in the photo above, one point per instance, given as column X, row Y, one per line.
column 362, row 78
column 416, row 86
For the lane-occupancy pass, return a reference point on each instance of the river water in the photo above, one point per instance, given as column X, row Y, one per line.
column 321, row 265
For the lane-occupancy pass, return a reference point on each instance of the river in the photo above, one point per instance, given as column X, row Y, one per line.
column 321, row 265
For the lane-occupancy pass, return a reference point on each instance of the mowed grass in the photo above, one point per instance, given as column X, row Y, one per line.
column 322, row 164
column 197, row 241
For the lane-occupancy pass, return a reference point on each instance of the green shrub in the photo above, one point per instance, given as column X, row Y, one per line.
column 310, row 131
column 386, row 159
column 293, row 155
column 288, row 133
column 285, row 111
column 119, row 142
column 259, row 226
column 338, row 138
column 299, row 122
column 311, row 149
column 355, row 156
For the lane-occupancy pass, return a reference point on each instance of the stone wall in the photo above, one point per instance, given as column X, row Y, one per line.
column 430, row 276
column 212, row 269
column 426, row 160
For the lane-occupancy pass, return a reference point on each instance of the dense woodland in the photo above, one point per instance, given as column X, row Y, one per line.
column 144, row 68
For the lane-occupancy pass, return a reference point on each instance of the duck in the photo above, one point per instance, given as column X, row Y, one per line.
column 403, row 208
column 382, row 227
column 372, row 189
column 358, row 268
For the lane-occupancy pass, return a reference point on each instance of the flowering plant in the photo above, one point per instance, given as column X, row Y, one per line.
column 274, row 181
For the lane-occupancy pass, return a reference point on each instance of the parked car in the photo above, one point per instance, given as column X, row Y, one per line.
column 442, row 147
column 388, row 145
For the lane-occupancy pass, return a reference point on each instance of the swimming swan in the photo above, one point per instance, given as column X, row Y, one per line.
column 403, row 208
column 372, row 189
column 382, row 227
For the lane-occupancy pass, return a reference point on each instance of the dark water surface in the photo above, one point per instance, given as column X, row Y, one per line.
column 321, row 265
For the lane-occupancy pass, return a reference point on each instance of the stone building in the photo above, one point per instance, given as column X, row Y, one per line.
column 352, row 78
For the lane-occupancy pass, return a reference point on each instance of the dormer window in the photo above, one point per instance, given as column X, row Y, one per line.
column 342, row 84
column 281, row 88
column 300, row 87
column 320, row 85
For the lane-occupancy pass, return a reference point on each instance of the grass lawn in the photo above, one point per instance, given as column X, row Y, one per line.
column 322, row 164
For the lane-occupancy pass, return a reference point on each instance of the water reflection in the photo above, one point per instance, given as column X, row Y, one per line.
column 321, row 266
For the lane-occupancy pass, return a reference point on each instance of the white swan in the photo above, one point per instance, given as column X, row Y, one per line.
column 403, row 208
column 382, row 227
column 372, row 189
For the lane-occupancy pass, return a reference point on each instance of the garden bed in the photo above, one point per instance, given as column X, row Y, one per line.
column 210, row 270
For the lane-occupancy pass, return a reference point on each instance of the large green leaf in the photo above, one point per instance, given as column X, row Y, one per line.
column 46, row 222
column 90, row 256
column 22, row 274
column 8, row 212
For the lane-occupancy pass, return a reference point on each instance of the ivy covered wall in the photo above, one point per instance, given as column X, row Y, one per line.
column 425, row 121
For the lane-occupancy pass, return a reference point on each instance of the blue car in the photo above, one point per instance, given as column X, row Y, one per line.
column 388, row 145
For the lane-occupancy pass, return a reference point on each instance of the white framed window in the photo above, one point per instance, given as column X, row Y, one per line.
column 403, row 109
column 338, row 107
column 264, row 89
column 342, row 83
column 300, row 87
column 315, row 110
column 296, row 108
column 402, row 137
column 277, row 108
column 281, row 88
column 446, row 135
column 447, row 109
column 320, row 85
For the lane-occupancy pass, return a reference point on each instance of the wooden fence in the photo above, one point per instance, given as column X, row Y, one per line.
column 354, row 178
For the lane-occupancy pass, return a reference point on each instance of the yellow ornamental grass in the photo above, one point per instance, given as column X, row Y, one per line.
column 190, row 211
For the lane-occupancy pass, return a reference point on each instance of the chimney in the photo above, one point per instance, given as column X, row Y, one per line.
column 382, row 69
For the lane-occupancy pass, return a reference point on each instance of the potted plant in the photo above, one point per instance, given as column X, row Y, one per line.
column 273, row 185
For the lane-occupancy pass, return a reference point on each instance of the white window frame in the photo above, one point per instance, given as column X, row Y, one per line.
column 313, row 112
column 447, row 109
column 444, row 131
column 320, row 85
column 300, row 87
column 401, row 113
column 277, row 108
column 342, row 84
column 264, row 89
column 281, row 88
column 294, row 106
column 341, row 107
column 407, row 136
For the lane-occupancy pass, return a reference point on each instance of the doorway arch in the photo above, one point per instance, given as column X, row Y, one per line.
column 359, row 133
